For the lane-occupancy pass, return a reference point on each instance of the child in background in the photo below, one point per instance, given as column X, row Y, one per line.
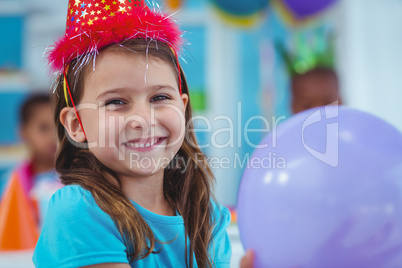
column 138, row 187
column 28, row 186
column 309, row 58
column 39, row 135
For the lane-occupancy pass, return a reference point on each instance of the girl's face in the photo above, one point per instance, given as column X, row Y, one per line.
column 39, row 132
column 132, row 113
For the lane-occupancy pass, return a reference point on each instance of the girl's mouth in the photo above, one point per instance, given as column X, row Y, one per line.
column 146, row 145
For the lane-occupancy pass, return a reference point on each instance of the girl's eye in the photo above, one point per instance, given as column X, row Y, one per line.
column 114, row 102
column 160, row 98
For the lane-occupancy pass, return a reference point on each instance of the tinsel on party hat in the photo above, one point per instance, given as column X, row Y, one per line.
column 94, row 24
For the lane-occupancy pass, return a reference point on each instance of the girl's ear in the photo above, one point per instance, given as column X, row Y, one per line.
column 69, row 120
column 184, row 98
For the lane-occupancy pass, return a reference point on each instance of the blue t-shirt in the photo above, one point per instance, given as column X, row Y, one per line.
column 77, row 232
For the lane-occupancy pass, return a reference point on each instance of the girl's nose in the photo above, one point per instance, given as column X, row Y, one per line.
column 141, row 117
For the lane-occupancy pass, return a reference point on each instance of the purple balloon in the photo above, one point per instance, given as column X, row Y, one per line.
column 325, row 191
column 306, row 8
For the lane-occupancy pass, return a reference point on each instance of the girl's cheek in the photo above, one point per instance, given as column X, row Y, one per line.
column 112, row 124
column 173, row 113
column 116, row 129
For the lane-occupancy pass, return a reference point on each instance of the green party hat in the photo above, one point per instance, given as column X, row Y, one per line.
column 308, row 50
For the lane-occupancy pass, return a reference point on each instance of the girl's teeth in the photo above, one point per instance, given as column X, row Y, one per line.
column 137, row 145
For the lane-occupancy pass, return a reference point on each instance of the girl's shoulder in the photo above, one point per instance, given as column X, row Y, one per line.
column 220, row 216
column 71, row 192
column 220, row 248
column 220, row 213
column 77, row 232
column 72, row 196
column 73, row 202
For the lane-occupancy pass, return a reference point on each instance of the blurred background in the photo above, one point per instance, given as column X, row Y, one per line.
column 239, row 57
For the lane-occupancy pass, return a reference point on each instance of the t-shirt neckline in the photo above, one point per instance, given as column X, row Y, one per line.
column 156, row 217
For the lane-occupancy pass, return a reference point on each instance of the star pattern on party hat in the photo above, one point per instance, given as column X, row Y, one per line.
column 89, row 12
column 94, row 24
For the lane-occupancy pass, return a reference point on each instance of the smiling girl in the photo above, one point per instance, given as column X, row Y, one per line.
column 123, row 113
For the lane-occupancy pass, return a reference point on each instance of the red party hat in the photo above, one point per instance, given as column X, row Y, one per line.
column 94, row 24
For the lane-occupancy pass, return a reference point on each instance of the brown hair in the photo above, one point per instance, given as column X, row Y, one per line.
column 188, row 191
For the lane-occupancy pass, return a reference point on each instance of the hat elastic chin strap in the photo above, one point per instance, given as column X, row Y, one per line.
column 67, row 89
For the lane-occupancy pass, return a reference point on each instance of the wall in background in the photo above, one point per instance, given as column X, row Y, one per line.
column 370, row 56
